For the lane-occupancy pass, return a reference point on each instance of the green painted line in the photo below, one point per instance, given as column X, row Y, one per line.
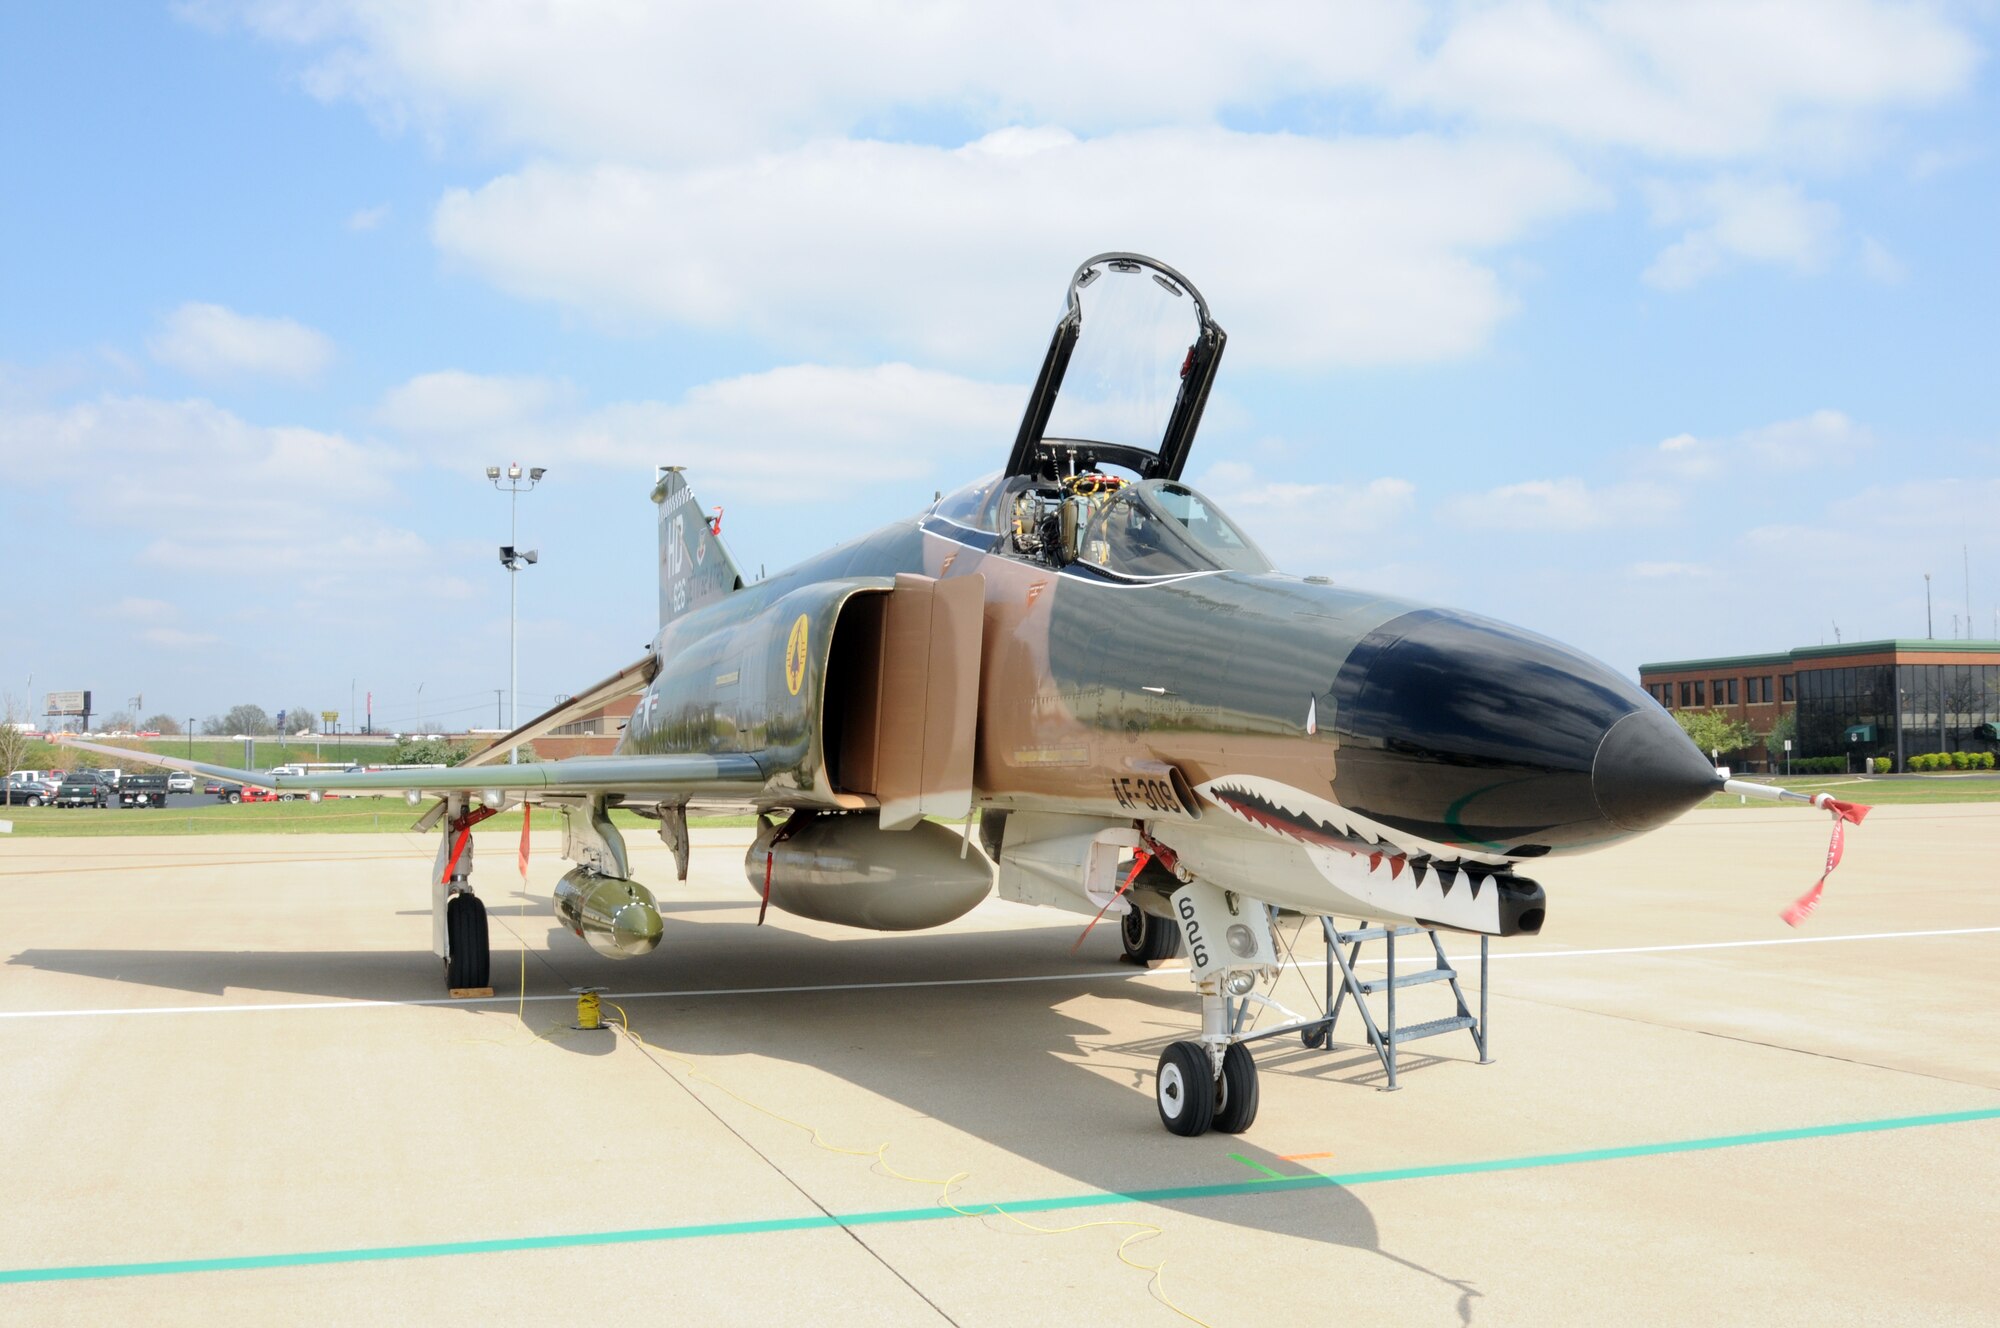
column 1259, row 1166
column 1103, row 1199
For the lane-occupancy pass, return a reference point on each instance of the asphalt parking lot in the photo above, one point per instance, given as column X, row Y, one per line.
column 240, row 1096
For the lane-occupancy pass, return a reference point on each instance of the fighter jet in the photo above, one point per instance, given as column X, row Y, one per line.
column 1146, row 718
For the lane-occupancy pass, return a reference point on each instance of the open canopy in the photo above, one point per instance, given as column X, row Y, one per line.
column 1126, row 375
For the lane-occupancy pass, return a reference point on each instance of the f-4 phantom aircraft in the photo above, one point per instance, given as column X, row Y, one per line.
column 1148, row 719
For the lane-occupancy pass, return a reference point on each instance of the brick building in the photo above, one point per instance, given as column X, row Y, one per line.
column 1864, row 698
column 595, row 734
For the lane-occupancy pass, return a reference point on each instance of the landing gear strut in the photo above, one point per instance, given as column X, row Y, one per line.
column 1211, row 1084
column 458, row 918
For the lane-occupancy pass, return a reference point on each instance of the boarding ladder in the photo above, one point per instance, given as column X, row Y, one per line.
column 1387, row 1036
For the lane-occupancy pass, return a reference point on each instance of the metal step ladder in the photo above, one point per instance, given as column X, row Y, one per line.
column 1386, row 1037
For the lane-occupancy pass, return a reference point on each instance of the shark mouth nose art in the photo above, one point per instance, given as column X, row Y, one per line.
column 1381, row 866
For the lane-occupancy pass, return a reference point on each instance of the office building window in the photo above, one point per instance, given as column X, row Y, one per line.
column 1732, row 694
column 1790, row 693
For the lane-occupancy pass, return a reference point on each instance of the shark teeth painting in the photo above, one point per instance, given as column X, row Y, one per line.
column 1388, row 873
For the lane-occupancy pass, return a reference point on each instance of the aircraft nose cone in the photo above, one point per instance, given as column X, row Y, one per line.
column 1471, row 733
column 1647, row 772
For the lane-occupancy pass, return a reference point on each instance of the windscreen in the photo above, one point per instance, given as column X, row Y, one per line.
column 1125, row 372
column 1161, row 528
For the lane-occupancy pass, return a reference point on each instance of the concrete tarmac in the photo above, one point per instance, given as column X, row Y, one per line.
column 234, row 1093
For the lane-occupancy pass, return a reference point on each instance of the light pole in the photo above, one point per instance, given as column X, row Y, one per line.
column 1930, row 634
column 512, row 558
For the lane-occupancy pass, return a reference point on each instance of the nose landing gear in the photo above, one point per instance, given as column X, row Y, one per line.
column 1193, row 1099
column 1211, row 1083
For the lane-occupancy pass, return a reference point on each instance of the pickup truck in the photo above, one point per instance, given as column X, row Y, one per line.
column 82, row 789
column 142, row 791
column 247, row 793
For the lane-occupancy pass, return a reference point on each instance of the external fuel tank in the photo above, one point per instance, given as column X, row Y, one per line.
column 847, row 869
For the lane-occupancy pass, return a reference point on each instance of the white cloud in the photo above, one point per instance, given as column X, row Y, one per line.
column 1354, row 251
column 1699, row 79
column 211, row 488
column 675, row 83
column 1879, row 264
column 797, row 433
column 1949, row 509
column 661, row 83
column 208, row 341
column 175, row 638
column 145, row 610
column 368, row 218
column 1309, row 527
column 454, row 402
column 1740, row 221
column 1822, row 438
column 1564, row 505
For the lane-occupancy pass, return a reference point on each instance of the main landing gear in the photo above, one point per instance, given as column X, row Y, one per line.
column 1148, row 940
column 468, row 958
column 1211, row 1083
column 458, row 917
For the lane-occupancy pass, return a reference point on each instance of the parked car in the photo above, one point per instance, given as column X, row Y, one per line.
column 143, row 791
column 112, row 775
column 180, row 781
column 27, row 792
column 82, row 789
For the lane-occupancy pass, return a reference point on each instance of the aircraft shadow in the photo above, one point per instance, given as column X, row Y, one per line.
column 1001, row 1061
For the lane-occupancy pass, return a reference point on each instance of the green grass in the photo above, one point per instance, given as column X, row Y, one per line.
column 213, row 751
column 1878, row 790
column 332, row 817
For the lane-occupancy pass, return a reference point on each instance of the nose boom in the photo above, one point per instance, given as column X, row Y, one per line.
column 1469, row 732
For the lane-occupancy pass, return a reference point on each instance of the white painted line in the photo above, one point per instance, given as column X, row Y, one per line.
column 1120, row 974
column 1721, row 945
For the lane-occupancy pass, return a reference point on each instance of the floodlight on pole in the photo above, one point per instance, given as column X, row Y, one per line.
column 512, row 558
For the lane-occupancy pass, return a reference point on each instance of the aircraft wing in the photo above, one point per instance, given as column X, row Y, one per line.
column 728, row 775
column 632, row 678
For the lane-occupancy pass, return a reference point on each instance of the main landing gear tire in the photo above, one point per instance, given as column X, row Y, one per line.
column 1236, row 1096
column 470, row 962
column 1148, row 940
column 1184, row 1089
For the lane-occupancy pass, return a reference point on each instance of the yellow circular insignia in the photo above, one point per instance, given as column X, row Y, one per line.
column 795, row 657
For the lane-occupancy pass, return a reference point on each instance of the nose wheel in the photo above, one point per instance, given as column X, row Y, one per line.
column 1194, row 1099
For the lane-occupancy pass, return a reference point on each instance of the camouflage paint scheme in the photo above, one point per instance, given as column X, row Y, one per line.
column 1260, row 692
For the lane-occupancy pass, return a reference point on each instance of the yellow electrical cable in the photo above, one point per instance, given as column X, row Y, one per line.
column 1156, row 1285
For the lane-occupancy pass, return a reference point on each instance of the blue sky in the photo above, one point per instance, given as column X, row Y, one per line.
column 1665, row 329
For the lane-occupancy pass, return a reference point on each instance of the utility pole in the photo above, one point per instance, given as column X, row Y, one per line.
column 1929, row 635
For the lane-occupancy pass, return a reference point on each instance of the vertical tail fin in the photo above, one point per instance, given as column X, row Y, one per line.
column 694, row 567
